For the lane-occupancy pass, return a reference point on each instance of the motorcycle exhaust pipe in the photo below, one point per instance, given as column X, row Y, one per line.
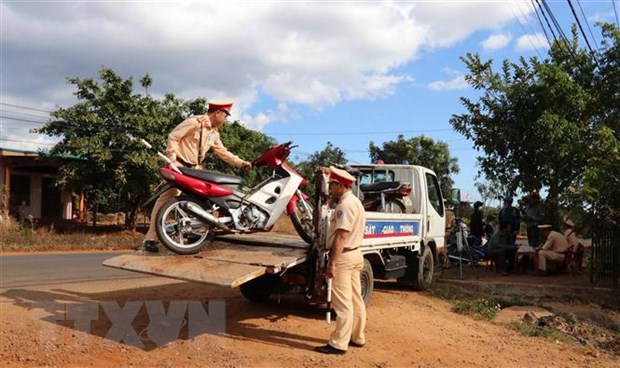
column 205, row 216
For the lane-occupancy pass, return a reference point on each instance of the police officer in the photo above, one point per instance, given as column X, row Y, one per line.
column 553, row 249
column 346, row 230
column 187, row 146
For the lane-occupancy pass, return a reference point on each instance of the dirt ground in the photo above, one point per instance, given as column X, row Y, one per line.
column 405, row 329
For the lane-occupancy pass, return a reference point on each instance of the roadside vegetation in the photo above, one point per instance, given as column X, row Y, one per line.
column 573, row 322
column 70, row 236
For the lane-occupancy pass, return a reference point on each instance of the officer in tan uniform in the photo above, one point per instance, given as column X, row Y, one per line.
column 346, row 230
column 555, row 244
column 187, row 146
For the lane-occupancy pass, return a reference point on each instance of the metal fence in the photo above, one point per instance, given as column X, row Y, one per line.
column 605, row 264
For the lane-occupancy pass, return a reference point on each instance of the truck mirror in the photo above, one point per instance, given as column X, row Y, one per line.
column 455, row 196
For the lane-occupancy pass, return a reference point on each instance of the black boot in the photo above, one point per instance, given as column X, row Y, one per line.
column 150, row 246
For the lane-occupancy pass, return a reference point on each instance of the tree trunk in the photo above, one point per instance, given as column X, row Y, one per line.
column 95, row 214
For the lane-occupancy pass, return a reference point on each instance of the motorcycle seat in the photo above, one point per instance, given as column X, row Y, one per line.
column 380, row 187
column 212, row 176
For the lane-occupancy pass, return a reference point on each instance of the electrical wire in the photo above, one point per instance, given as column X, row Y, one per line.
column 613, row 2
column 524, row 31
column 572, row 9
column 541, row 23
column 587, row 23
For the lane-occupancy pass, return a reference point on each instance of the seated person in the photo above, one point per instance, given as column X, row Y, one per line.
column 502, row 248
column 571, row 238
column 552, row 250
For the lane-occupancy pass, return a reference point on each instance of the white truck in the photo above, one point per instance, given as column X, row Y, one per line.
column 404, row 247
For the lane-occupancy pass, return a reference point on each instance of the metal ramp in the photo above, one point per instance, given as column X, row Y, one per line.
column 228, row 261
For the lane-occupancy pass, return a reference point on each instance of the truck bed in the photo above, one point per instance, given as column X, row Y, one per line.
column 228, row 261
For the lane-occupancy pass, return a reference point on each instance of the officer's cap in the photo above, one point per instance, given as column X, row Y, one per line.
column 221, row 105
column 341, row 176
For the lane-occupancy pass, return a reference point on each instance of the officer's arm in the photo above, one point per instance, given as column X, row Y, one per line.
column 336, row 251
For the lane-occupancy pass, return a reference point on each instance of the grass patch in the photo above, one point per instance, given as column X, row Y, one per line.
column 478, row 308
column 545, row 332
column 15, row 237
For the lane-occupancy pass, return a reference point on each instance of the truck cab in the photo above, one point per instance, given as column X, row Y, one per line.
column 425, row 197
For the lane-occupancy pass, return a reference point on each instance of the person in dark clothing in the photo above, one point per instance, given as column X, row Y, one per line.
column 476, row 224
column 511, row 215
column 502, row 248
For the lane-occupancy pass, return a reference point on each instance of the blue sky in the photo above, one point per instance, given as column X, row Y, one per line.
column 347, row 72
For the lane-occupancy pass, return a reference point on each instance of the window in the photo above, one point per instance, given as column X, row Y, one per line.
column 376, row 176
column 434, row 193
column 20, row 190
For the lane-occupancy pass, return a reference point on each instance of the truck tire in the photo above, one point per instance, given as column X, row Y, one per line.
column 419, row 271
column 367, row 282
column 260, row 288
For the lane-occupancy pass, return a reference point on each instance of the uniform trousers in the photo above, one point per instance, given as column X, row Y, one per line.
column 544, row 255
column 347, row 301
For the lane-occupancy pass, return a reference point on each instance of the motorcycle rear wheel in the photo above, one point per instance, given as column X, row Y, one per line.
column 181, row 231
column 392, row 205
column 303, row 224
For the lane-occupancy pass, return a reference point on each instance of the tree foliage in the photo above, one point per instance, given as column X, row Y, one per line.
column 423, row 151
column 542, row 123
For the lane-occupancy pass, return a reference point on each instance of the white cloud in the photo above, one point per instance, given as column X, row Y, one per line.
column 455, row 83
column 496, row 41
column 309, row 53
column 531, row 42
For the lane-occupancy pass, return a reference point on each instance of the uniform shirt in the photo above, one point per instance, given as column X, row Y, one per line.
column 571, row 237
column 555, row 242
column 183, row 143
column 349, row 215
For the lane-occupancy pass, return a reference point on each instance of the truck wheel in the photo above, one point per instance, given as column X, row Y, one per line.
column 367, row 282
column 419, row 271
column 259, row 289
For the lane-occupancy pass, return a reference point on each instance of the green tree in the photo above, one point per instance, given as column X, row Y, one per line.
column 537, row 121
column 328, row 156
column 423, row 151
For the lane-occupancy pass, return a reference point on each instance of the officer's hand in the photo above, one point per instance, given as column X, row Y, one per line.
column 247, row 165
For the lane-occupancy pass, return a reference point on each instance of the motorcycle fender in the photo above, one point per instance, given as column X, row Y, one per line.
column 291, row 207
column 159, row 191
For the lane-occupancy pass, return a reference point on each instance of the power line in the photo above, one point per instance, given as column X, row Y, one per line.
column 362, row 133
column 22, row 120
column 523, row 28
column 572, row 9
column 588, row 24
column 541, row 23
column 615, row 12
column 22, row 113
column 24, row 107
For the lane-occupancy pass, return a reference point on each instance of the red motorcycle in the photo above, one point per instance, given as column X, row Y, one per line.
column 215, row 202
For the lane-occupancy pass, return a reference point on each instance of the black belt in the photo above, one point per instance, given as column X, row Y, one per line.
column 344, row 250
column 186, row 164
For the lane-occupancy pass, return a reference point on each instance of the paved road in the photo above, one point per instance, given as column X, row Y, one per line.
column 49, row 269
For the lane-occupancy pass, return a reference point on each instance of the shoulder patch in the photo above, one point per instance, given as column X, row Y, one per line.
column 339, row 213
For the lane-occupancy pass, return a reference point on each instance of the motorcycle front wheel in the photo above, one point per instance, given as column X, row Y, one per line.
column 181, row 231
column 302, row 222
